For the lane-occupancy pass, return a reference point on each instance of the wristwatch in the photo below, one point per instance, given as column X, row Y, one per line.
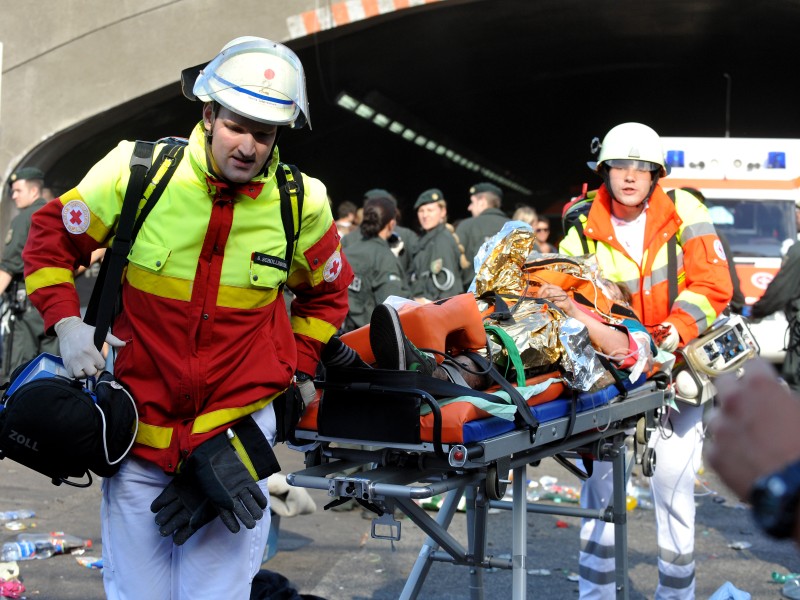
column 775, row 499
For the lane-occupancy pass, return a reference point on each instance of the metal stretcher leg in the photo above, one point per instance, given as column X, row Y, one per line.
column 519, row 517
column 424, row 561
column 477, row 512
column 620, row 523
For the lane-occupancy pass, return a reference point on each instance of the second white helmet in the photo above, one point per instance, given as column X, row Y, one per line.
column 632, row 141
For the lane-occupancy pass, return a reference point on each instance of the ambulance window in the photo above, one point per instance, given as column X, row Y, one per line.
column 721, row 215
column 754, row 227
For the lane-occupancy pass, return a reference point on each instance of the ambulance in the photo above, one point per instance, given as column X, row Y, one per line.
column 751, row 188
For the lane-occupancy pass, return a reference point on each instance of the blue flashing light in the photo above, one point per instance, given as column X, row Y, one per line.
column 675, row 158
column 776, row 160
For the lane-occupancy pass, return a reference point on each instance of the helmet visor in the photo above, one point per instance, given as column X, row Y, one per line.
column 259, row 79
column 645, row 166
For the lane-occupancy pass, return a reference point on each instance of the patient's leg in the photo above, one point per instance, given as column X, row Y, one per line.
column 393, row 350
column 337, row 354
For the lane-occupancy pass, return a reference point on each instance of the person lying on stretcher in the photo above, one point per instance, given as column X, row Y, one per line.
column 451, row 328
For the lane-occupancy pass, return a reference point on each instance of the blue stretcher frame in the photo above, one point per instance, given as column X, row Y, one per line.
column 600, row 426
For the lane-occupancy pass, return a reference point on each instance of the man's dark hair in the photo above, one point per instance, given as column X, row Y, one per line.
column 346, row 208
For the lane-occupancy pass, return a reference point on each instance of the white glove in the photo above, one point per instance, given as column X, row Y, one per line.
column 76, row 341
column 307, row 390
column 670, row 341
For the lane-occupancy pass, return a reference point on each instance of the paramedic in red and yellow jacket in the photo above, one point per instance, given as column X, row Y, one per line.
column 628, row 227
column 205, row 339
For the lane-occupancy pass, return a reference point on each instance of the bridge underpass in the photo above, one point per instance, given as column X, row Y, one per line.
column 517, row 86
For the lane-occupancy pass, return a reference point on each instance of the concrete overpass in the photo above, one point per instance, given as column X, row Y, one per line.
column 518, row 87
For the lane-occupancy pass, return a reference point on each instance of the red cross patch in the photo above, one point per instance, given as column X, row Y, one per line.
column 76, row 216
column 333, row 266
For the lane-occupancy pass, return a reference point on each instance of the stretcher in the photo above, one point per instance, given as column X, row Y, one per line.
column 459, row 452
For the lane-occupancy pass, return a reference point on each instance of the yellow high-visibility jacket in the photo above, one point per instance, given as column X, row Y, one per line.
column 209, row 338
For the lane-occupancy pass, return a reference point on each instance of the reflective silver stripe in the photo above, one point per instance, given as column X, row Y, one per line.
column 676, row 583
column 697, row 229
column 597, row 549
column 661, row 274
column 673, row 558
column 694, row 311
column 632, row 285
column 597, row 577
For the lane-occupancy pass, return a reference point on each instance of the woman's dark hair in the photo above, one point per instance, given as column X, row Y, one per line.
column 377, row 214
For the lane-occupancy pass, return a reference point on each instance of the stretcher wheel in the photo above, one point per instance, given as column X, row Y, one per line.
column 641, row 431
column 314, row 457
column 495, row 489
column 649, row 462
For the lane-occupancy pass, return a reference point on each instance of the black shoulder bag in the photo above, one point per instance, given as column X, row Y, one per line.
column 54, row 424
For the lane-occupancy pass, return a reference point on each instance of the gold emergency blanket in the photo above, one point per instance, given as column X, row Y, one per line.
column 501, row 271
column 541, row 333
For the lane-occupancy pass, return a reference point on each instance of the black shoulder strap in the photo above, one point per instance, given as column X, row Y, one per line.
column 290, row 187
column 102, row 304
column 672, row 262
column 524, row 416
column 576, row 205
column 172, row 153
column 582, row 236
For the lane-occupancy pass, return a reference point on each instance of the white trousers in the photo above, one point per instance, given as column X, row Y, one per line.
column 678, row 447
column 139, row 563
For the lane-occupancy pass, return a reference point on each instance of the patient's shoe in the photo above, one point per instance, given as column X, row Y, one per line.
column 391, row 347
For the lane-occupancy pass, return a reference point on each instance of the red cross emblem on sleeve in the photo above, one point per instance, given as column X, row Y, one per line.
column 76, row 216
column 333, row 266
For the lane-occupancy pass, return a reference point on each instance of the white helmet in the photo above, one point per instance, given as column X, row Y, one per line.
column 256, row 78
column 632, row 142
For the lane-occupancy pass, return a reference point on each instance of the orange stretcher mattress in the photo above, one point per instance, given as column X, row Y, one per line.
column 455, row 415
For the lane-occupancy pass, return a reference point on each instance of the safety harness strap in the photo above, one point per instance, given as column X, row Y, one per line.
column 511, row 349
column 290, row 187
column 102, row 304
column 672, row 262
column 524, row 416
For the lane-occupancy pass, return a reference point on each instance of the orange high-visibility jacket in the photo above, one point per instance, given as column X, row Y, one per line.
column 704, row 281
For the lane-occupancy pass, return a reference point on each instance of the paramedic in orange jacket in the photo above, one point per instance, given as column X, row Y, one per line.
column 205, row 344
column 628, row 226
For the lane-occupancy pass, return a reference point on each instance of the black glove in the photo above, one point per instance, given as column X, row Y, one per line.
column 226, row 482
column 182, row 508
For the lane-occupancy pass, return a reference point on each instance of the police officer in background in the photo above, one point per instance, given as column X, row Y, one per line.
column 403, row 242
column 25, row 335
column 486, row 220
column 436, row 270
column 377, row 272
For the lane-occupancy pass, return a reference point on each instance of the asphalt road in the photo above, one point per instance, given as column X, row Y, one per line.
column 331, row 554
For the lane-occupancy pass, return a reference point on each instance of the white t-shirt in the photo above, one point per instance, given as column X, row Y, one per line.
column 631, row 234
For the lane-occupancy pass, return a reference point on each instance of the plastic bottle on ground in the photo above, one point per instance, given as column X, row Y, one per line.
column 14, row 551
column 16, row 515
column 791, row 589
column 61, row 543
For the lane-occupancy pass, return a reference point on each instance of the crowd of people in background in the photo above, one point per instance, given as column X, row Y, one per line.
column 427, row 256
